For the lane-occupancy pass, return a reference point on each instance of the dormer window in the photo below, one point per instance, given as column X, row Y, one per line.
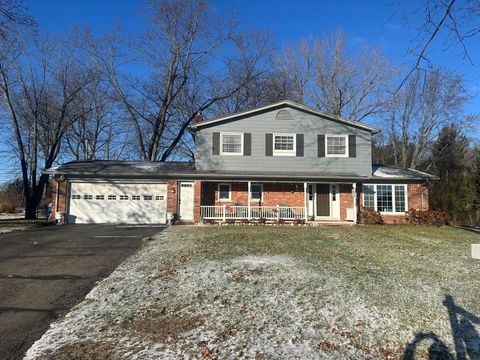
column 231, row 143
column 336, row 145
column 284, row 144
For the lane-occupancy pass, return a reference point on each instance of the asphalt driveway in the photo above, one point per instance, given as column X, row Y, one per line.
column 44, row 272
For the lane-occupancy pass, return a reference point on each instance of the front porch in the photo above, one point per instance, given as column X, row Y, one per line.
column 268, row 202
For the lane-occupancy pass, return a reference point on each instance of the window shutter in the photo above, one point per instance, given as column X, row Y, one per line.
column 216, row 143
column 268, row 144
column 247, row 144
column 352, row 146
column 299, row 143
column 321, row 145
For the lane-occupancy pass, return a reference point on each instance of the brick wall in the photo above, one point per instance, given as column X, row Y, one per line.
column 417, row 199
column 273, row 194
column 62, row 187
column 346, row 200
column 172, row 196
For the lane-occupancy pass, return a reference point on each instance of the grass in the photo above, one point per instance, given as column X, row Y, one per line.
column 9, row 225
column 287, row 292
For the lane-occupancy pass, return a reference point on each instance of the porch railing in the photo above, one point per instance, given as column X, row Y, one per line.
column 224, row 212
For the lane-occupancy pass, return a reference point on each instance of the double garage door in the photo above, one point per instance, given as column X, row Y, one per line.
column 128, row 203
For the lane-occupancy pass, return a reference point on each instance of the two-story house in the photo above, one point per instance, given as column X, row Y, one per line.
column 281, row 161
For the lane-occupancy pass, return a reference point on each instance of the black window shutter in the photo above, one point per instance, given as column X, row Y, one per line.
column 299, row 143
column 352, row 146
column 247, row 144
column 216, row 143
column 321, row 145
column 268, row 144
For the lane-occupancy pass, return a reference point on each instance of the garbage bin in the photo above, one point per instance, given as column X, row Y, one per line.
column 59, row 217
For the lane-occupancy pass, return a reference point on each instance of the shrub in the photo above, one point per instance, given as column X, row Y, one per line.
column 371, row 217
column 427, row 217
column 6, row 207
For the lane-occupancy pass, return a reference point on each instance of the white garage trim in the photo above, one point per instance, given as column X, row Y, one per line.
column 117, row 202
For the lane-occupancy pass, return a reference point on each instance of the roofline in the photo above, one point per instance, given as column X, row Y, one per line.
column 294, row 105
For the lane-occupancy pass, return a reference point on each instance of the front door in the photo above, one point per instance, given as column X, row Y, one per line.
column 323, row 200
column 186, row 201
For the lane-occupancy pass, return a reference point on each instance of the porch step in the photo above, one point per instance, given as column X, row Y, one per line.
column 183, row 222
column 329, row 223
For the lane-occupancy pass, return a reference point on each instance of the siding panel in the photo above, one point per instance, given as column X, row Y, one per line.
column 266, row 123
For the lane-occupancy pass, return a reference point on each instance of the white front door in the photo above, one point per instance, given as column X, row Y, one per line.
column 187, row 197
column 335, row 201
column 326, row 201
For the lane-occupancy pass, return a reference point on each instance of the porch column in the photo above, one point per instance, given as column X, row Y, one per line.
column 354, row 193
column 249, row 198
column 305, row 199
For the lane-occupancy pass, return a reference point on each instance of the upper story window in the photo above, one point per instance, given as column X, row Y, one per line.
column 231, row 144
column 336, row 145
column 284, row 144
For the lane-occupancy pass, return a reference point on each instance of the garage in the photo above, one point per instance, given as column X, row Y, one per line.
column 117, row 202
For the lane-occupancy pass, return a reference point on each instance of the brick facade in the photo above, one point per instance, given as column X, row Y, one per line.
column 417, row 199
column 59, row 191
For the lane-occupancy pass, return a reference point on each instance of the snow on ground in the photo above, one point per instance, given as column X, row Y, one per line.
column 179, row 299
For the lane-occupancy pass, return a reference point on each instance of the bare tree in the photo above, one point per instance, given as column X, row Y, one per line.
column 452, row 23
column 349, row 85
column 427, row 102
column 13, row 17
column 39, row 88
column 182, row 73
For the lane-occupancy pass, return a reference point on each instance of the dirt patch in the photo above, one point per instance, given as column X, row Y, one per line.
column 166, row 328
column 83, row 350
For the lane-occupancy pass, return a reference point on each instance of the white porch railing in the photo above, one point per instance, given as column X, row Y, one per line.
column 224, row 212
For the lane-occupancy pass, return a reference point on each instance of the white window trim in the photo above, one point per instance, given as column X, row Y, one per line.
column 229, row 191
column 405, row 190
column 292, row 152
column 229, row 153
column 261, row 190
column 336, row 155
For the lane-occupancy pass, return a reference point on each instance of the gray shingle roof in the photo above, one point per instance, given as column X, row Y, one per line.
column 393, row 172
column 185, row 170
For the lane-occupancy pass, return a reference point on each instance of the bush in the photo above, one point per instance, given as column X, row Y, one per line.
column 371, row 217
column 7, row 208
column 427, row 217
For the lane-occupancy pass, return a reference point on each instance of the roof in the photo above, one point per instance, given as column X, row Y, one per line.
column 117, row 169
column 179, row 170
column 395, row 172
column 291, row 104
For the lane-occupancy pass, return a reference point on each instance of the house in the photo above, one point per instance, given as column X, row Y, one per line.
column 281, row 161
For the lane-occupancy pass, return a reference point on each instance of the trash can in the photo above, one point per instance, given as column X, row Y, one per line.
column 170, row 217
column 59, row 217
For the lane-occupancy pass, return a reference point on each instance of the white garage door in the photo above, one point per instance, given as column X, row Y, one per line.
column 117, row 203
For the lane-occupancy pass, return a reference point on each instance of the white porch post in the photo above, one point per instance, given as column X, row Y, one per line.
column 354, row 193
column 305, row 186
column 249, row 200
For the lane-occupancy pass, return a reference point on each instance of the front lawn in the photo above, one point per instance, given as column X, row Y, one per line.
column 282, row 292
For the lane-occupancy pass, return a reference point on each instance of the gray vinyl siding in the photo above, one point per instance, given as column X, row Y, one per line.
column 266, row 123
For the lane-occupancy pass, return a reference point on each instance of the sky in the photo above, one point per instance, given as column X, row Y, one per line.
column 380, row 23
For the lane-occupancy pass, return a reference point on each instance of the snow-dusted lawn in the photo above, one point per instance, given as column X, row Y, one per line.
column 281, row 292
column 15, row 222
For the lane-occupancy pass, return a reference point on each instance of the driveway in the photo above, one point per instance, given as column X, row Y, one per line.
column 45, row 272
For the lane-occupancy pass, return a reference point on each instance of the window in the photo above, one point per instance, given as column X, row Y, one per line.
column 158, row 197
column 100, row 197
column 231, row 144
column 385, row 198
column 123, row 197
column 147, row 197
column 256, row 192
column 87, row 197
column 224, row 192
column 336, row 145
column 76, row 197
column 399, row 198
column 135, row 197
column 284, row 144
column 368, row 196
column 112, row 197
